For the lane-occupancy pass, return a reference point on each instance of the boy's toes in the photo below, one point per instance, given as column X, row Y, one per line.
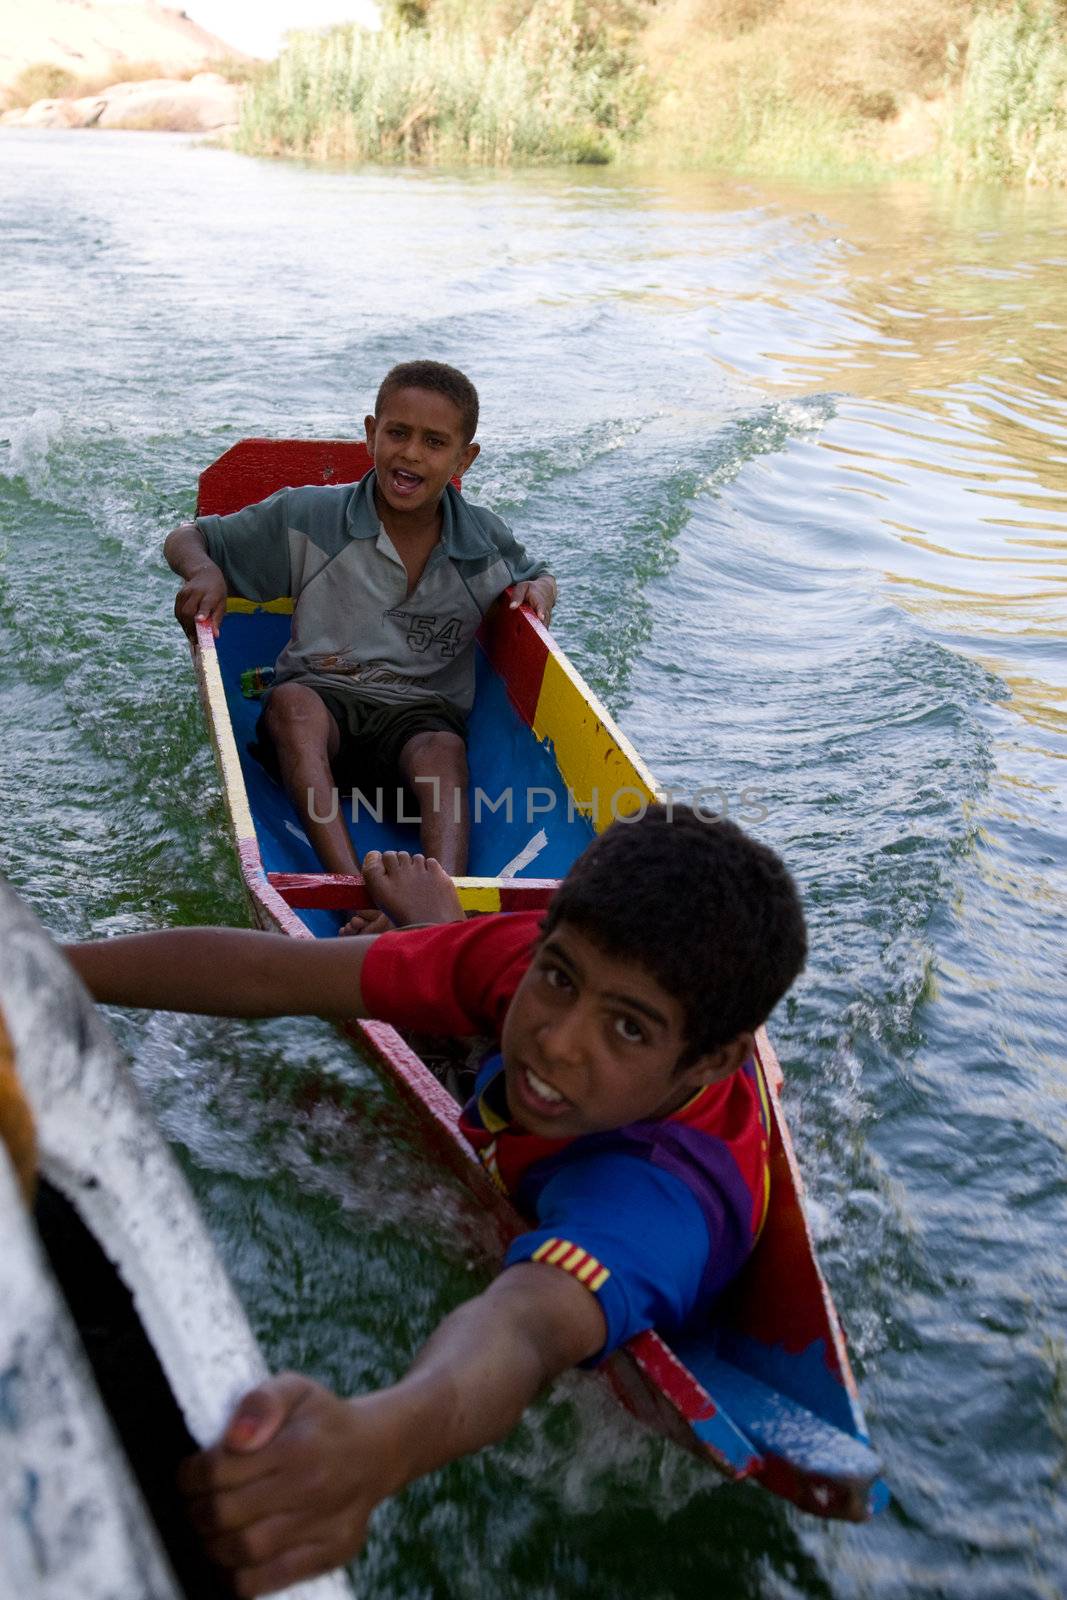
column 365, row 922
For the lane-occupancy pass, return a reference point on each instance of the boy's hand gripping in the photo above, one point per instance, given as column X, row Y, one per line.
column 202, row 595
column 288, row 1491
column 538, row 593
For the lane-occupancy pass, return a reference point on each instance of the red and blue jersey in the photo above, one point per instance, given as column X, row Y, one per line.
column 654, row 1218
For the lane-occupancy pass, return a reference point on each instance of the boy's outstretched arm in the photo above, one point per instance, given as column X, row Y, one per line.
column 289, row 1490
column 225, row 972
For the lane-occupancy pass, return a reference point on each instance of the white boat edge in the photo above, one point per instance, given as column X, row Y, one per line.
column 100, row 1146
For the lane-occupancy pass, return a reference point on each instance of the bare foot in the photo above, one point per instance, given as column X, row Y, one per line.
column 366, row 922
column 407, row 889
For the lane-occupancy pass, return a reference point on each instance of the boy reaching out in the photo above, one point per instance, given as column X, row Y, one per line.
column 624, row 1113
column 391, row 577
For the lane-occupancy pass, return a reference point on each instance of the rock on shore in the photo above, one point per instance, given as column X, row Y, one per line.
column 205, row 103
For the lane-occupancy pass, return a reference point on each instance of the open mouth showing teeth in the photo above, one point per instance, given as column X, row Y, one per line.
column 543, row 1090
column 406, row 480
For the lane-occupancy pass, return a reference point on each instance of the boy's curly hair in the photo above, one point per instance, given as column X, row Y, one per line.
column 710, row 913
column 441, row 379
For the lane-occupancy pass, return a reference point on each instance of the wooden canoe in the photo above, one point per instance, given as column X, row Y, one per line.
column 766, row 1392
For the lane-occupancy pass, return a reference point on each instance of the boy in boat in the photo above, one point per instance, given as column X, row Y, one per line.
column 624, row 1112
column 391, row 578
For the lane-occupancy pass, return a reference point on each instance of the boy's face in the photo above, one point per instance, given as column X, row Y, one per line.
column 418, row 445
column 591, row 1043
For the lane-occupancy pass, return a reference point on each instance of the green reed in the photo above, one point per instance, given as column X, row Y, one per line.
column 1010, row 122
column 442, row 88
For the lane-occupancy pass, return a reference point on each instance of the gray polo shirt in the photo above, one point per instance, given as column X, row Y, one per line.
column 355, row 627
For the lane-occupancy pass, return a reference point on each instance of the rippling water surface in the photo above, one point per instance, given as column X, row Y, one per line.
column 800, row 461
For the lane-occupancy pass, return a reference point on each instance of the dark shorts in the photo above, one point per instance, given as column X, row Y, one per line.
column 373, row 734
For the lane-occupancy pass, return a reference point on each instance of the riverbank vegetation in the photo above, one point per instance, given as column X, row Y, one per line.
column 1009, row 122
column 795, row 87
column 491, row 82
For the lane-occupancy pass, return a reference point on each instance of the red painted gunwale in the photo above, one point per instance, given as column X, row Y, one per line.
column 336, row 891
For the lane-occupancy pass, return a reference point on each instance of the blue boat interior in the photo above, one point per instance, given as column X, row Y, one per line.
column 520, row 805
column 779, row 1426
column 770, row 1401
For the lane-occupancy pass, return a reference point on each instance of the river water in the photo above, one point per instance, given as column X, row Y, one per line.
column 800, row 461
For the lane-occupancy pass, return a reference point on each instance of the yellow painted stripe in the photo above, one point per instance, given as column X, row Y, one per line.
column 543, row 1249
column 766, row 1198
column 556, row 1255
column 600, row 767
column 764, row 1099
column 765, row 1105
column 477, row 896
column 282, row 607
column 585, row 1272
column 600, row 1280
column 221, row 730
column 576, row 1256
column 16, row 1118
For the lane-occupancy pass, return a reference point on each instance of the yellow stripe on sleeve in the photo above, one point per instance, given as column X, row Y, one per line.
column 573, row 1259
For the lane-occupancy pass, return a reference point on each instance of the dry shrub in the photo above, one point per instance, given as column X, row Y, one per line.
column 121, row 72
column 41, row 81
column 172, row 118
column 237, row 69
column 794, row 85
column 46, row 81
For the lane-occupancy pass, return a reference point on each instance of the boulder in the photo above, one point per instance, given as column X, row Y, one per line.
column 44, row 114
column 200, row 105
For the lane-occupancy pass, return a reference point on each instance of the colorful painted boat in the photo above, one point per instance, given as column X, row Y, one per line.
column 766, row 1392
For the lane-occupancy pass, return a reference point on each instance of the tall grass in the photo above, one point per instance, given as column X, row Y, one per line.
column 1010, row 123
column 798, row 88
column 549, row 89
column 748, row 116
